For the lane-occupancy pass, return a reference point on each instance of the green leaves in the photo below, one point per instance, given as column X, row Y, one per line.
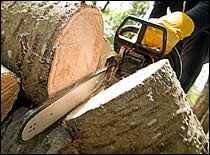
column 113, row 18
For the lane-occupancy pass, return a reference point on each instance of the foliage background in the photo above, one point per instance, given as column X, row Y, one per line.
column 113, row 17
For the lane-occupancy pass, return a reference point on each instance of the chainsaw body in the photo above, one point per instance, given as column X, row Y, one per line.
column 131, row 56
column 135, row 55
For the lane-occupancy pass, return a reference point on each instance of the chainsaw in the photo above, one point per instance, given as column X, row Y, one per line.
column 131, row 55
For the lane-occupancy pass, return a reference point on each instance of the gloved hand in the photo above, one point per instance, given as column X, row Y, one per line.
column 178, row 25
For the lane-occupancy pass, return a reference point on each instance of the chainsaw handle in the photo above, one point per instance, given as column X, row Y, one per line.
column 142, row 30
column 129, row 28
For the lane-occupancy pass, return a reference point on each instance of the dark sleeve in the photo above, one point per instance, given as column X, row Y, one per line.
column 159, row 9
column 200, row 15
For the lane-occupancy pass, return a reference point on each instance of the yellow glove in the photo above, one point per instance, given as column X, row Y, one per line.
column 178, row 26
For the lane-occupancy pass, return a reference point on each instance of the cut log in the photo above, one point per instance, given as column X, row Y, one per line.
column 144, row 113
column 9, row 91
column 50, row 45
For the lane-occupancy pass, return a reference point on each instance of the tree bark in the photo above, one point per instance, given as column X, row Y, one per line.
column 201, row 107
column 144, row 113
column 50, row 44
column 9, row 91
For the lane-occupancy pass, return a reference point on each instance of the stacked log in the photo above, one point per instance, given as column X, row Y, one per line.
column 146, row 112
column 50, row 45
column 9, row 91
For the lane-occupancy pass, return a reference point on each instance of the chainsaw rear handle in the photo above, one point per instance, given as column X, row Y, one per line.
column 140, row 30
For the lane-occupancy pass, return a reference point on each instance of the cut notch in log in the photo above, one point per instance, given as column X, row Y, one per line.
column 9, row 91
column 50, row 44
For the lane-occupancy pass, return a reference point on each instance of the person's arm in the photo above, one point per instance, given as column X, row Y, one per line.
column 159, row 9
column 200, row 15
column 179, row 25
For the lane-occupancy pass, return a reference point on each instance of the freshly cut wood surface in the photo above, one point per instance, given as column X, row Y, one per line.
column 50, row 44
column 9, row 91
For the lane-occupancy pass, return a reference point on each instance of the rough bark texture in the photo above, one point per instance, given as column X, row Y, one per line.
column 201, row 107
column 151, row 117
column 48, row 142
column 9, row 91
column 32, row 47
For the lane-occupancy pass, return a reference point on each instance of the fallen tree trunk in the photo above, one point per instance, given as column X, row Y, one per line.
column 9, row 91
column 50, row 45
column 143, row 113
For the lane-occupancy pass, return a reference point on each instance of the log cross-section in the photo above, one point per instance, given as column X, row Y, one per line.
column 50, row 45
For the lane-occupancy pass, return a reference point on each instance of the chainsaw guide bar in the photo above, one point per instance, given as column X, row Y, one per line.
column 36, row 121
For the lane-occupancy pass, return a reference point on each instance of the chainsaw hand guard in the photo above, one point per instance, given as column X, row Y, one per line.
column 135, row 55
